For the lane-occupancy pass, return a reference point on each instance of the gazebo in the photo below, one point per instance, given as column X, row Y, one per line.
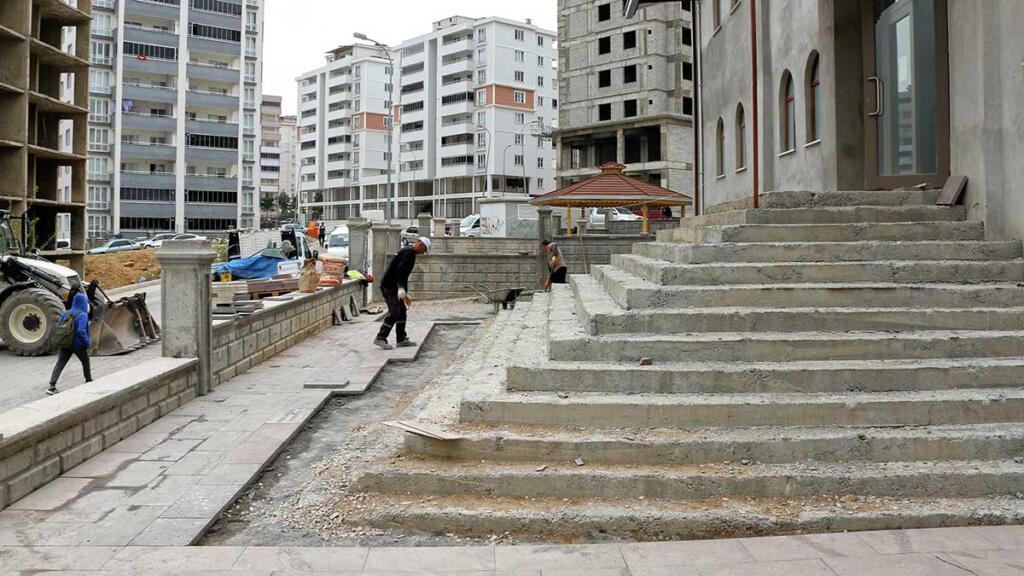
column 613, row 189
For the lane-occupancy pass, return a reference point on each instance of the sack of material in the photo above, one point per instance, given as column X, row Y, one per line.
column 309, row 278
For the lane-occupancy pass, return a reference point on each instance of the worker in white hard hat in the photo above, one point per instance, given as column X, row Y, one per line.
column 394, row 286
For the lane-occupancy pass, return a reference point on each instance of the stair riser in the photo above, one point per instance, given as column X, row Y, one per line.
column 840, row 232
column 805, row 199
column 697, row 487
column 644, row 415
column 898, row 272
column 647, row 381
column 673, row 322
column 777, row 451
column 836, row 215
column 828, row 252
column 575, row 350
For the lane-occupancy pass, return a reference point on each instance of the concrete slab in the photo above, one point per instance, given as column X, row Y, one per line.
column 445, row 559
column 894, row 565
column 549, row 558
column 171, row 532
column 303, row 560
column 203, row 502
column 703, row 553
column 52, row 496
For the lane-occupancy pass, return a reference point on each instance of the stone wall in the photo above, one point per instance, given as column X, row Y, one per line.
column 48, row 437
column 582, row 253
column 634, row 228
column 244, row 342
column 452, row 275
column 484, row 245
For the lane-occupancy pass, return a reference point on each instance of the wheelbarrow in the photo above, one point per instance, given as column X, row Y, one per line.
column 504, row 298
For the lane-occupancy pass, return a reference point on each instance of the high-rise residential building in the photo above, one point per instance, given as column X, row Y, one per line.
column 270, row 151
column 289, row 146
column 174, row 122
column 43, row 46
column 473, row 103
column 626, row 88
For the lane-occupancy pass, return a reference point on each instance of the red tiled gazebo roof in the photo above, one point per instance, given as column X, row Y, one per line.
column 612, row 189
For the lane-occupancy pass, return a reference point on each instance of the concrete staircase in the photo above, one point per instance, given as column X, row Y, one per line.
column 833, row 361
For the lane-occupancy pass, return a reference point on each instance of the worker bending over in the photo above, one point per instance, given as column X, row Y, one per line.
column 394, row 286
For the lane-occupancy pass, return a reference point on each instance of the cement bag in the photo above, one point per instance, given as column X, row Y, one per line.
column 309, row 278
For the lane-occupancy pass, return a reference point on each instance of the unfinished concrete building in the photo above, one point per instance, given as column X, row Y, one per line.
column 31, row 110
column 625, row 89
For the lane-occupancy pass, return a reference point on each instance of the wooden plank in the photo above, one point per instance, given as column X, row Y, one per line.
column 422, row 429
column 952, row 191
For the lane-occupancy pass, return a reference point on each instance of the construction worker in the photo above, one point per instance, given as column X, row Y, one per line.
column 394, row 286
column 77, row 318
column 557, row 269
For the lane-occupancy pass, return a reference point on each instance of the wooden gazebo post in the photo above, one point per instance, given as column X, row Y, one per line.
column 646, row 228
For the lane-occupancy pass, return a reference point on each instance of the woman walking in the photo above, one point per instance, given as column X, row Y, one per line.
column 78, row 317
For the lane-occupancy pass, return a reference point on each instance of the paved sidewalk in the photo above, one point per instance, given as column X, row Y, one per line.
column 989, row 551
column 167, row 483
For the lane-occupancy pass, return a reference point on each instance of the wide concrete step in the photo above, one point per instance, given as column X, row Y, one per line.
column 829, row 215
column 743, row 446
column 809, row 199
column 766, row 377
column 940, row 479
column 587, row 519
column 600, row 314
column 787, row 346
column 632, row 292
column 920, row 271
column 591, row 410
column 912, row 231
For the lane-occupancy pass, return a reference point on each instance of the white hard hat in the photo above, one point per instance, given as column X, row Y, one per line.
column 426, row 242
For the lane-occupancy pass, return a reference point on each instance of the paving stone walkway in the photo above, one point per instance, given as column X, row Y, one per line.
column 989, row 551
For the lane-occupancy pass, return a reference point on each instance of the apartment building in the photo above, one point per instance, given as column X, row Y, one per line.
column 270, row 150
column 472, row 106
column 626, row 87
column 174, row 121
column 43, row 43
column 289, row 143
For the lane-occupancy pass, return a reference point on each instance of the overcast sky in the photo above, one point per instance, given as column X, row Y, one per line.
column 299, row 32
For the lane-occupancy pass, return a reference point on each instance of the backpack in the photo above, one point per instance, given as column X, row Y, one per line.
column 64, row 335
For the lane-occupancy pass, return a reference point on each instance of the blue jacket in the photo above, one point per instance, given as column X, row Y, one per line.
column 80, row 306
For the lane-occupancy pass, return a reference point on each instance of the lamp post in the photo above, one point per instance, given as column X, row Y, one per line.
column 389, row 207
column 504, row 166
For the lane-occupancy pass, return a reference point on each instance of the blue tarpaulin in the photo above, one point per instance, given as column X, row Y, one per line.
column 252, row 268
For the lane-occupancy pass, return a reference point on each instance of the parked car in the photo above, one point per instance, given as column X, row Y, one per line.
column 296, row 228
column 157, row 240
column 470, row 226
column 410, row 235
column 337, row 242
column 119, row 245
column 63, row 244
column 597, row 216
column 189, row 237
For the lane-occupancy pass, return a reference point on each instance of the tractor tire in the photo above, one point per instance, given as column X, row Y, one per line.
column 28, row 319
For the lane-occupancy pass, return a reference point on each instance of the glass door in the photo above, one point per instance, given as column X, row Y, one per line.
column 906, row 93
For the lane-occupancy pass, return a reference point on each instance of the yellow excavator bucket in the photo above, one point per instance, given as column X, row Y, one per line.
column 123, row 326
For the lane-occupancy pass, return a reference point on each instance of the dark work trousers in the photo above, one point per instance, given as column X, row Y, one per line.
column 558, row 276
column 63, row 355
column 395, row 318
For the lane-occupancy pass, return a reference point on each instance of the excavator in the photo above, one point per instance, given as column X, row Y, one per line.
column 33, row 293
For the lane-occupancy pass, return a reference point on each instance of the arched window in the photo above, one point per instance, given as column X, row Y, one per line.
column 813, row 76
column 716, row 12
column 741, row 137
column 720, row 148
column 787, row 101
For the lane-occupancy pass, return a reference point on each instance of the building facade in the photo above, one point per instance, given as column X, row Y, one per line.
column 626, row 91
column 174, row 122
column 473, row 103
column 270, row 153
column 289, row 143
column 43, row 50
column 867, row 95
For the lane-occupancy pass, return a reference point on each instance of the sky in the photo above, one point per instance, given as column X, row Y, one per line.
column 300, row 32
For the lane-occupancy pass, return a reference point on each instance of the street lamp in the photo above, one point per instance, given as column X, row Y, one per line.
column 389, row 208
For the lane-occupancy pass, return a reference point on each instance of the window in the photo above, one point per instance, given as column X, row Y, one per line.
column 520, row 56
column 214, row 32
column 787, row 131
column 629, row 40
column 99, row 139
column 540, row 101
column 687, row 38
column 604, row 78
column 540, row 81
column 414, row 87
column 540, row 40
column 540, row 61
column 481, row 76
column 99, row 197
column 145, row 51
column 412, row 68
column 741, row 138
column 629, row 74
column 519, row 118
column 481, row 56
column 99, row 81
column 813, row 98
column 100, row 52
column 720, row 147
column 604, row 45
column 481, row 35
column 604, row 12
column 218, row 6
column 540, row 162
column 687, row 106
column 687, row 71
column 519, row 97
column 604, row 112
column 520, row 34
column 519, row 140
column 519, row 161
column 98, row 225
column 207, row 141
column 412, row 50
column 629, row 108
column 520, row 76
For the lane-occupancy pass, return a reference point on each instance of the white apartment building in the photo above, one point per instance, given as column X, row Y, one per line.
column 270, row 148
column 473, row 104
column 174, row 121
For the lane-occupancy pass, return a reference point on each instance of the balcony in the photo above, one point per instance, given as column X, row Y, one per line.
column 99, row 118
column 153, row 9
column 218, row 156
column 99, row 176
column 102, row 32
column 209, row 182
column 211, row 127
column 146, row 151
column 461, row 126
column 462, row 65
column 151, row 93
column 108, row 4
column 218, row 19
column 155, row 122
column 97, row 60
column 217, row 46
column 209, row 72
column 207, row 99
column 144, row 179
column 132, row 63
column 104, row 90
column 150, row 35
column 100, row 147
column 463, row 45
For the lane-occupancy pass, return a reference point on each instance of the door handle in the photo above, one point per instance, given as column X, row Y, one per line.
column 879, row 97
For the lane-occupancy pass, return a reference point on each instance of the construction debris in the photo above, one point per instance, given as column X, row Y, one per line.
column 422, row 429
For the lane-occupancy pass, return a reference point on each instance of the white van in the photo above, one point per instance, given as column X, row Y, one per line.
column 470, row 226
column 337, row 242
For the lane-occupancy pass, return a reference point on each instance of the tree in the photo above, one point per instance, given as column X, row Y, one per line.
column 266, row 203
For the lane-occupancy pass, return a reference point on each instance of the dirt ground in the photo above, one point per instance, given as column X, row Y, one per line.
column 293, row 503
column 122, row 268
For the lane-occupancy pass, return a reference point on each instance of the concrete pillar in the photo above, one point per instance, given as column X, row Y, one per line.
column 185, row 307
column 394, row 235
column 358, row 244
column 456, row 230
column 545, row 231
column 439, row 225
column 380, row 254
column 424, row 224
column 620, row 146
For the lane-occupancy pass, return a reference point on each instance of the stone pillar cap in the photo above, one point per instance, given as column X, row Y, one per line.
column 199, row 251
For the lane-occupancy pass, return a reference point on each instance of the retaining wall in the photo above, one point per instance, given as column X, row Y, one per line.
column 451, row 275
column 582, row 253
